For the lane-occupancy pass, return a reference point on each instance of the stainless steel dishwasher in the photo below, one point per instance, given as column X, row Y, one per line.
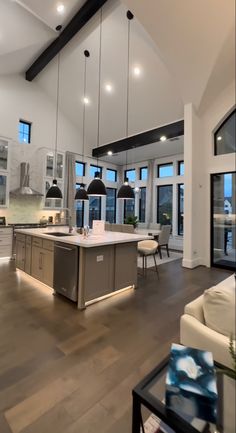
column 66, row 268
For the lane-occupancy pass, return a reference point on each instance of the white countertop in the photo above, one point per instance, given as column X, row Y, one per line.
column 108, row 238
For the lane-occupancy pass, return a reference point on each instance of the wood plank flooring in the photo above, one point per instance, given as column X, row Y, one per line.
column 67, row 371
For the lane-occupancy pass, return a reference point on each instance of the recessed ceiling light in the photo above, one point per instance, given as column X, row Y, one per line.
column 60, row 8
column 219, row 138
column 137, row 71
column 86, row 100
column 108, row 87
column 109, row 152
column 163, row 138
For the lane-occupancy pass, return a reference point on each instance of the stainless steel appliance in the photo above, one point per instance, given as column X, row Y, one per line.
column 24, row 188
column 66, row 264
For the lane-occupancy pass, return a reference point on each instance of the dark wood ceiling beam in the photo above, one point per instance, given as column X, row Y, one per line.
column 86, row 12
column 171, row 130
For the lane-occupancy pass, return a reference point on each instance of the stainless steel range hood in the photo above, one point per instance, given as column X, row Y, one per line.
column 25, row 189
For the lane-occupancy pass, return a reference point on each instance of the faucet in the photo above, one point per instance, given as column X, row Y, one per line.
column 69, row 218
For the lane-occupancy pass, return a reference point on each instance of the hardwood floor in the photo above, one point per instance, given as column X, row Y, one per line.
column 67, row 371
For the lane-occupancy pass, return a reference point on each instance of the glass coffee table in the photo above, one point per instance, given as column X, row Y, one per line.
column 150, row 394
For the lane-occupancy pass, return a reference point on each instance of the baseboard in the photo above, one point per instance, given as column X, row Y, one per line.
column 193, row 263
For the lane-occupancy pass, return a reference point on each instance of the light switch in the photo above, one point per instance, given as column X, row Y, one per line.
column 99, row 258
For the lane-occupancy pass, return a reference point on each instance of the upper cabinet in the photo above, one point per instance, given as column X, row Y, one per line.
column 54, row 168
column 4, row 164
column 3, row 155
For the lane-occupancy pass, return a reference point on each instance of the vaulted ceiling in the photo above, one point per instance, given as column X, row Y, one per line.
column 184, row 49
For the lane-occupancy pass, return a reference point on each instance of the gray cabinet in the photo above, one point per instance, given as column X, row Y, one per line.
column 20, row 251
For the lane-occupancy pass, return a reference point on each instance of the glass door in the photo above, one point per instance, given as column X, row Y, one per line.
column 223, row 220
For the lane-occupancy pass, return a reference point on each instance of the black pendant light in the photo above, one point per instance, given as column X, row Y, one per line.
column 81, row 193
column 97, row 187
column 54, row 191
column 126, row 192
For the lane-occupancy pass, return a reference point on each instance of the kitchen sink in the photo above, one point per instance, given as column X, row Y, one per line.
column 58, row 234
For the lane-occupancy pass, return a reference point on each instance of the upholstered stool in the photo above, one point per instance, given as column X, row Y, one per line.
column 145, row 249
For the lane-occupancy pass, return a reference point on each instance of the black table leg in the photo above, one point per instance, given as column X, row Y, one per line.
column 136, row 416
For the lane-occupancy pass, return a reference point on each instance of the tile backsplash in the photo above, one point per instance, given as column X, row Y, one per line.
column 25, row 210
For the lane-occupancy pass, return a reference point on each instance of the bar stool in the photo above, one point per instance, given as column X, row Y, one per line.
column 145, row 249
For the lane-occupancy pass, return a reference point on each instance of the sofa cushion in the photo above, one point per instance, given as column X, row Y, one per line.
column 219, row 307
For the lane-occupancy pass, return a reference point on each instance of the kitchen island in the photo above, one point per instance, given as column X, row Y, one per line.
column 105, row 264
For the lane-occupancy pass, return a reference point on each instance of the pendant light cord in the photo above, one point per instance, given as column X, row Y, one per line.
column 128, row 84
column 84, row 107
column 57, row 112
column 99, row 80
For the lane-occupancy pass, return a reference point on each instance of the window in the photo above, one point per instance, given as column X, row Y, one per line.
column 164, row 204
column 143, row 173
column 111, row 175
column 165, row 170
column 79, row 210
column 94, row 209
column 180, row 168
column 142, row 205
column 3, row 190
column 93, row 169
column 79, row 168
column 111, row 205
column 130, row 174
column 24, row 131
column 224, row 137
column 129, row 208
column 181, row 209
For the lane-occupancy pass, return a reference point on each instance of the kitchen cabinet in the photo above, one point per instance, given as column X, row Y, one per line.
column 28, row 250
column 20, row 252
column 4, row 164
column 54, row 169
column 6, row 241
column 42, row 261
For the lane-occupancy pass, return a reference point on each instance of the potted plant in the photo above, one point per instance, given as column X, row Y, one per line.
column 228, row 371
column 132, row 220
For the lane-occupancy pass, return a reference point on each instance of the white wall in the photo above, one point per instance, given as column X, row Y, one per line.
column 200, row 162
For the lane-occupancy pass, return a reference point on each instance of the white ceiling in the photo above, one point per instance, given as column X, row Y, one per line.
column 193, row 37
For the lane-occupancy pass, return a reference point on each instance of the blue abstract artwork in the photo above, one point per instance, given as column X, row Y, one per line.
column 191, row 383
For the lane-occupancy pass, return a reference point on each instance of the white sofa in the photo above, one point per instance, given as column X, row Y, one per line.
column 194, row 331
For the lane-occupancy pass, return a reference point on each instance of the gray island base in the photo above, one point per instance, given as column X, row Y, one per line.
column 105, row 264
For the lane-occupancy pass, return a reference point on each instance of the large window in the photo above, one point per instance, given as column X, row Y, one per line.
column 129, row 206
column 224, row 137
column 143, row 173
column 111, row 205
column 223, row 222
column 180, row 168
column 94, row 209
column 79, row 210
column 93, row 169
column 24, row 131
column 142, row 205
column 130, row 174
column 79, row 168
column 165, row 170
column 180, row 209
column 164, row 204
column 111, row 175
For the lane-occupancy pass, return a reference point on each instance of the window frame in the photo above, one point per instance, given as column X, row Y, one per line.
column 115, row 207
column 140, row 200
column 157, row 214
column 29, row 124
column 114, row 171
column 98, row 167
column 178, row 210
column 140, row 172
column 233, row 112
column 125, row 203
column 166, row 164
column 79, row 184
column 179, row 165
column 100, row 209
column 83, row 164
column 126, row 171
